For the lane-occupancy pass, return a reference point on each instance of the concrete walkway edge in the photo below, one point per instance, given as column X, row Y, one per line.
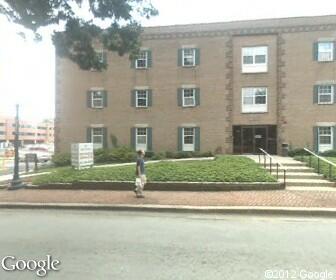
column 243, row 210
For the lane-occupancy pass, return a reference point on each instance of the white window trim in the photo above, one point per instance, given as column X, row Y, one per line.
column 146, row 61
column 194, row 97
column 326, row 147
column 188, row 147
column 332, row 51
column 141, row 146
column 136, row 98
column 332, row 94
column 254, row 108
column 254, row 67
column 97, row 145
column 101, row 98
column 194, row 57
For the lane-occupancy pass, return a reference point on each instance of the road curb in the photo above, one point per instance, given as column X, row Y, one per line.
column 242, row 210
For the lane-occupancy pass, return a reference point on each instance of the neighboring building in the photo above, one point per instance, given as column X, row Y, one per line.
column 43, row 133
column 232, row 87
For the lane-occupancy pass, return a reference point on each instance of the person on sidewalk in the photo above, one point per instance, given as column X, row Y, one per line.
column 141, row 179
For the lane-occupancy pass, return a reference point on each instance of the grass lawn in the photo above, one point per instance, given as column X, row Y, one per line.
column 222, row 169
column 324, row 167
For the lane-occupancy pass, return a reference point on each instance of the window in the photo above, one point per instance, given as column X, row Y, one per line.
column 188, row 139
column 97, row 99
column 325, row 94
column 325, row 138
column 141, row 98
column 325, row 51
column 254, row 59
column 189, row 97
column 97, row 137
column 2, row 124
column 101, row 56
column 141, row 138
column 141, row 61
column 254, row 100
column 188, row 57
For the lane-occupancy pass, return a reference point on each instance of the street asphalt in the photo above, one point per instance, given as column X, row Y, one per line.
column 102, row 245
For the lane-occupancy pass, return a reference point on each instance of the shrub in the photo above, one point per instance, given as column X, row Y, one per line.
column 102, row 156
column 330, row 153
column 159, row 156
column 297, row 152
column 61, row 159
column 170, row 154
column 149, row 154
column 122, row 154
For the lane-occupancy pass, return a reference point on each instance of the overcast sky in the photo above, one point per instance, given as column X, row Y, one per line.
column 27, row 68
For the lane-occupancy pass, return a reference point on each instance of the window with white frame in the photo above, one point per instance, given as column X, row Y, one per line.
column 325, row 94
column 325, row 138
column 141, row 61
column 188, row 139
column 101, row 56
column 325, row 51
column 97, row 99
column 188, row 57
column 189, row 97
column 141, row 98
column 97, row 137
column 254, row 100
column 141, row 138
column 254, row 59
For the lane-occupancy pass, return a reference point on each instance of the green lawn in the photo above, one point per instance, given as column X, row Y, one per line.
column 222, row 169
column 324, row 167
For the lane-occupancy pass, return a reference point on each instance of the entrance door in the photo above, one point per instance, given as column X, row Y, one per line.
column 260, row 139
column 248, row 139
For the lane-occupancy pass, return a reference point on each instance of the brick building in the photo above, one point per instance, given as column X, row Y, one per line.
column 232, row 87
column 42, row 133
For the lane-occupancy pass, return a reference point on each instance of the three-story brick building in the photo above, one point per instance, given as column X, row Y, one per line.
column 232, row 87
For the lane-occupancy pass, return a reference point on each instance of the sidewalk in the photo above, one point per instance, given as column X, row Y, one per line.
column 279, row 198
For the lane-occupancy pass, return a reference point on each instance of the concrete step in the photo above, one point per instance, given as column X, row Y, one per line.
column 300, row 175
column 294, row 164
column 294, row 169
column 308, row 182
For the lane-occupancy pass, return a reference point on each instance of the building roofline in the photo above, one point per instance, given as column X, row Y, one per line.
column 271, row 23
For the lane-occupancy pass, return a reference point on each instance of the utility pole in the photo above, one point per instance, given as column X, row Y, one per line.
column 16, row 181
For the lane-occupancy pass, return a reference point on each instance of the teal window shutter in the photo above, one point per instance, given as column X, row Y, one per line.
column 179, row 97
column 89, row 99
column 334, row 137
column 315, row 98
column 104, row 137
column 149, row 139
column 316, row 138
column 149, row 98
column 88, row 135
column 149, row 59
column 133, row 63
column 197, row 57
column 197, row 139
column 105, row 57
column 335, row 94
column 179, row 139
column 133, row 97
column 179, row 57
column 105, row 98
column 197, row 97
column 334, row 51
column 133, row 137
column 315, row 51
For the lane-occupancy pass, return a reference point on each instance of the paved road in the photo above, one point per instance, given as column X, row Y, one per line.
column 145, row 246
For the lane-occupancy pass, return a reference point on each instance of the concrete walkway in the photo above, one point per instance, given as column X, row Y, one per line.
column 297, row 173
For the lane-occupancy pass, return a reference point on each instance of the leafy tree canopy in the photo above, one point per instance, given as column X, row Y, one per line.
column 79, row 24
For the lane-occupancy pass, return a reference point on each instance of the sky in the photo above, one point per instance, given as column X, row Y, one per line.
column 27, row 73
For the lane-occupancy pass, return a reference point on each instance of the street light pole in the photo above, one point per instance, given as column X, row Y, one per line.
column 16, row 182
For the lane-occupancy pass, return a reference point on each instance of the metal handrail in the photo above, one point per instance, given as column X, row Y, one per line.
column 327, row 161
column 331, row 164
column 278, row 164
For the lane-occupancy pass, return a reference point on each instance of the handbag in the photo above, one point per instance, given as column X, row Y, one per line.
column 138, row 182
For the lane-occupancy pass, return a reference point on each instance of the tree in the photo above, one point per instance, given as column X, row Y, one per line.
column 79, row 34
